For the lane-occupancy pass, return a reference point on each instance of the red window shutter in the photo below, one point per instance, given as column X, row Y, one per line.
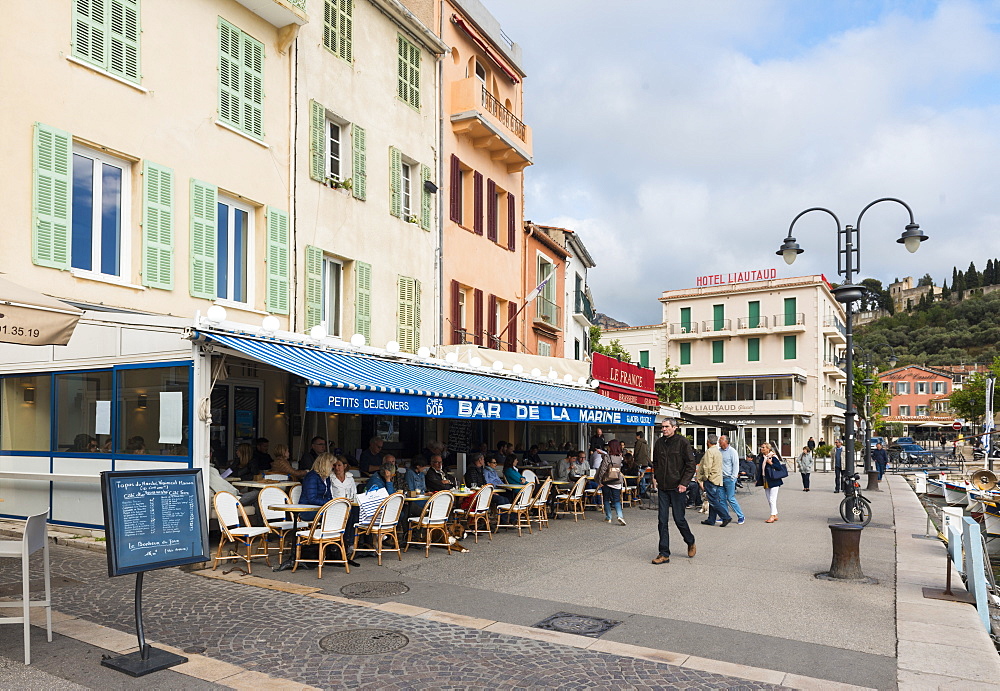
column 491, row 322
column 477, row 202
column 511, row 224
column 512, row 331
column 478, row 321
column 491, row 210
column 456, row 189
column 456, row 313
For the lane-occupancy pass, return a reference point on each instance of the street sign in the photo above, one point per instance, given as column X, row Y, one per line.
column 956, row 425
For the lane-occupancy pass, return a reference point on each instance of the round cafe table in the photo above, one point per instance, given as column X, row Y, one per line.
column 295, row 510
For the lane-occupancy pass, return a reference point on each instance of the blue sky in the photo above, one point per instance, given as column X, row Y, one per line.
column 681, row 138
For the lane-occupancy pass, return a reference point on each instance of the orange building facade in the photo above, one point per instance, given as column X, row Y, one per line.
column 544, row 264
column 917, row 391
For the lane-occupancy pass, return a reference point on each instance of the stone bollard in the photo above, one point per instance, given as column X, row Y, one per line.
column 846, row 564
column 872, row 482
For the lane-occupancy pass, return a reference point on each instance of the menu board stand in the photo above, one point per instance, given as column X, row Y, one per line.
column 153, row 520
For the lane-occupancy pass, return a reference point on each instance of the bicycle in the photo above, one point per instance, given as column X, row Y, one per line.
column 855, row 507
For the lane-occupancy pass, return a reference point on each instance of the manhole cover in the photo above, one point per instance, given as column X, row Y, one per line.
column 363, row 641
column 577, row 623
column 374, row 589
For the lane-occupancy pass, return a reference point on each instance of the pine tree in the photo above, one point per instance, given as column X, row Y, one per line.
column 945, row 292
column 988, row 273
column 973, row 279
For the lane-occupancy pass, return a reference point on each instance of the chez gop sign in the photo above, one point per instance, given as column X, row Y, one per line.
column 737, row 277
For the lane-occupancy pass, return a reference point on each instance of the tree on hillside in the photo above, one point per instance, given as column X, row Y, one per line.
column 989, row 273
column 973, row 279
column 945, row 291
column 925, row 280
column 876, row 297
column 668, row 388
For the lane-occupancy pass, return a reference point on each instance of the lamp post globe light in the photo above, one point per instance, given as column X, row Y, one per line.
column 849, row 261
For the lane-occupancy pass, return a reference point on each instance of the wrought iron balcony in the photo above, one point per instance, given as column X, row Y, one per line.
column 548, row 312
column 757, row 322
column 584, row 306
column 710, row 325
column 789, row 319
column 683, row 328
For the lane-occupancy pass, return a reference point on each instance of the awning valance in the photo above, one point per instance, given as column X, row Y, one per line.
column 350, row 382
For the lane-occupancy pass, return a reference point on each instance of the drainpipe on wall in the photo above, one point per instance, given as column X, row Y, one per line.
column 439, row 252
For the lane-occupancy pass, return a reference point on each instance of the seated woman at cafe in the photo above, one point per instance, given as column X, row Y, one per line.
column 317, row 487
column 385, row 477
column 342, row 484
column 492, row 471
column 630, row 467
column 241, row 464
column 510, row 471
column 282, row 465
column 416, row 476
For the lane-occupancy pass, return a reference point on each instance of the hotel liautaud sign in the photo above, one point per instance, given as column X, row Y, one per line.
column 737, row 277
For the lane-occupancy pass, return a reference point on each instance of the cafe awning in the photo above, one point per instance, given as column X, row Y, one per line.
column 30, row 318
column 342, row 381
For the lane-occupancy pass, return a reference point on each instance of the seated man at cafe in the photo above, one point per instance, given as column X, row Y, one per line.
column 579, row 467
column 474, row 476
column 385, row 477
column 416, row 477
column 532, row 457
column 260, row 463
column 317, row 445
column 562, row 468
column 372, row 458
column 437, row 478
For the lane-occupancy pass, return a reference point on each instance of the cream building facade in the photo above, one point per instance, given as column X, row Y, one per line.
column 761, row 355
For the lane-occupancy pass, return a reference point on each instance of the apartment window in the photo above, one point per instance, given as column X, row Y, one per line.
column 886, row 411
column 718, row 317
column 106, row 34
column 904, row 410
column 685, row 353
column 480, row 72
column 241, row 80
column 644, row 358
column 576, row 349
column 101, row 184
column 902, row 387
column 685, row 320
column 790, row 347
column 338, row 27
column 406, row 189
column 921, row 387
column 753, row 314
column 718, row 351
column 408, row 72
column 461, row 310
column 921, row 411
column 790, row 314
column 546, row 300
column 233, row 257
column 333, row 288
column 544, row 348
column 940, row 387
column 753, row 350
column 333, row 134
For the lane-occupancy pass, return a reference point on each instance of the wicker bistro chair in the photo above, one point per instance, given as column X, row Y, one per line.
column 275, row 521
column 479, row 510
column 529, row 476
column 540, row 504
column 593, row 495
column 295, row 493
column 236, row 528
column 327, row 528
column 572, row 502
column 519, row 508
column 433, row 519
column 383, row 524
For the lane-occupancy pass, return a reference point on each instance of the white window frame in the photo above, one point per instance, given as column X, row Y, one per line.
column 334, row 165
column 406, row 188
column 886, row 411
column 233, row 205
column 902, row 388
column 125, row 225
column 921, row 411
column 939, row 387
column 921, row 387
column 904, row 411
column 333, row 301
column 462, row 321
column 477, row 68
column 545, row 348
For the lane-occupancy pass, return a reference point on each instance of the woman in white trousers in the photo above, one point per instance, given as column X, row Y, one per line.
column 766, row 461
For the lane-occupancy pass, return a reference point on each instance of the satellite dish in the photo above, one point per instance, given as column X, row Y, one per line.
column 983, row 479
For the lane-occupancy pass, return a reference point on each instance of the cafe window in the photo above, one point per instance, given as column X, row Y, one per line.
column 152, row 411
column 25, row 409
column 83, row 412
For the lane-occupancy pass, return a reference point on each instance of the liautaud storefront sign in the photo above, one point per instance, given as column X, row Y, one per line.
column 329, row 400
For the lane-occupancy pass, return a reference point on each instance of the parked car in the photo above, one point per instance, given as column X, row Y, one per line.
column 904, row 440
column 878, row 440
column 914, row 453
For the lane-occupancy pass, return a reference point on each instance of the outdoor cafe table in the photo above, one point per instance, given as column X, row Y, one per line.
column 295, row 510
column 261, row 484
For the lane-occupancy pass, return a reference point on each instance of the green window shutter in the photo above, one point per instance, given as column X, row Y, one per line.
column 278, row 269
column 90, row 39
column 253, row 86
column 338, row 27
column 686, row 319
column 426, row 199
column 204, row 208
column 230, row 75
column 241, row 80
column 643, row 358
column 317, row 141
column 718, row 351
column 718, row 317
column 753, row 350
column 416, row 315
column 359, row 167
column 314, row 286
column 51, row 197
column 106, row 34
column 789, row 311
column 408, row 72
column 790, row 347
column 395, row 181
column 406, row 317
column 685, row 353
column 753, row 312
column 363, row 300
column 157, row 226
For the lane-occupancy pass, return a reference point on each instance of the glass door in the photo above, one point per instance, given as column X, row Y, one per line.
column 235, row 418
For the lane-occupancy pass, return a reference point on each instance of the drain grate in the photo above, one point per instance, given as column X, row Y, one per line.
column 374, row 589
column 579, row 624
column 363, row 642
column 14, row 589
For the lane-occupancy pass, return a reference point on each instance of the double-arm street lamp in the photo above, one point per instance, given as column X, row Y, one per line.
column 849, row 261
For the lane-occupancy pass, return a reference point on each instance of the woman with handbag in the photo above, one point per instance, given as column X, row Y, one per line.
column 609, row 478
column 770, row 473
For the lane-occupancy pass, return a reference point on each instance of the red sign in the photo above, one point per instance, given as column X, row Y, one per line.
column 624, row 381
column 736, row 277
column 956, row 425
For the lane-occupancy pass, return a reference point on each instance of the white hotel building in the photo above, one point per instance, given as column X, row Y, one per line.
column 760, row 354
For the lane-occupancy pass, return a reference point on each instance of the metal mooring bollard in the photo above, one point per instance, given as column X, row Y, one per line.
column 872, row 482
column 846, row 564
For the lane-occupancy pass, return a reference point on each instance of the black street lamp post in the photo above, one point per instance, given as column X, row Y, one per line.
column 849, row 261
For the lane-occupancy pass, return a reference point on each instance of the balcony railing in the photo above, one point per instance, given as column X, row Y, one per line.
column 461, row 337
column 790, row 319
column 547, row 311
column 716, row 325
column 497, row 110
column 683, row 328
column 751, row 323
column 584, row 306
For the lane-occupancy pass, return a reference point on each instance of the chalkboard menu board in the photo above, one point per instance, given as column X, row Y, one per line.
column 459, row 436
column 154, row 519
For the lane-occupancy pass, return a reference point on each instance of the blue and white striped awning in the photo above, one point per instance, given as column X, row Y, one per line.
column 343, row 381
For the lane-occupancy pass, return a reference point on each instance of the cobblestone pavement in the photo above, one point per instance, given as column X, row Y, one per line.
column 278, row 634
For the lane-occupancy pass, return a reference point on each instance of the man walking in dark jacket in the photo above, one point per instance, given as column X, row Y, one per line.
column 673, row 469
